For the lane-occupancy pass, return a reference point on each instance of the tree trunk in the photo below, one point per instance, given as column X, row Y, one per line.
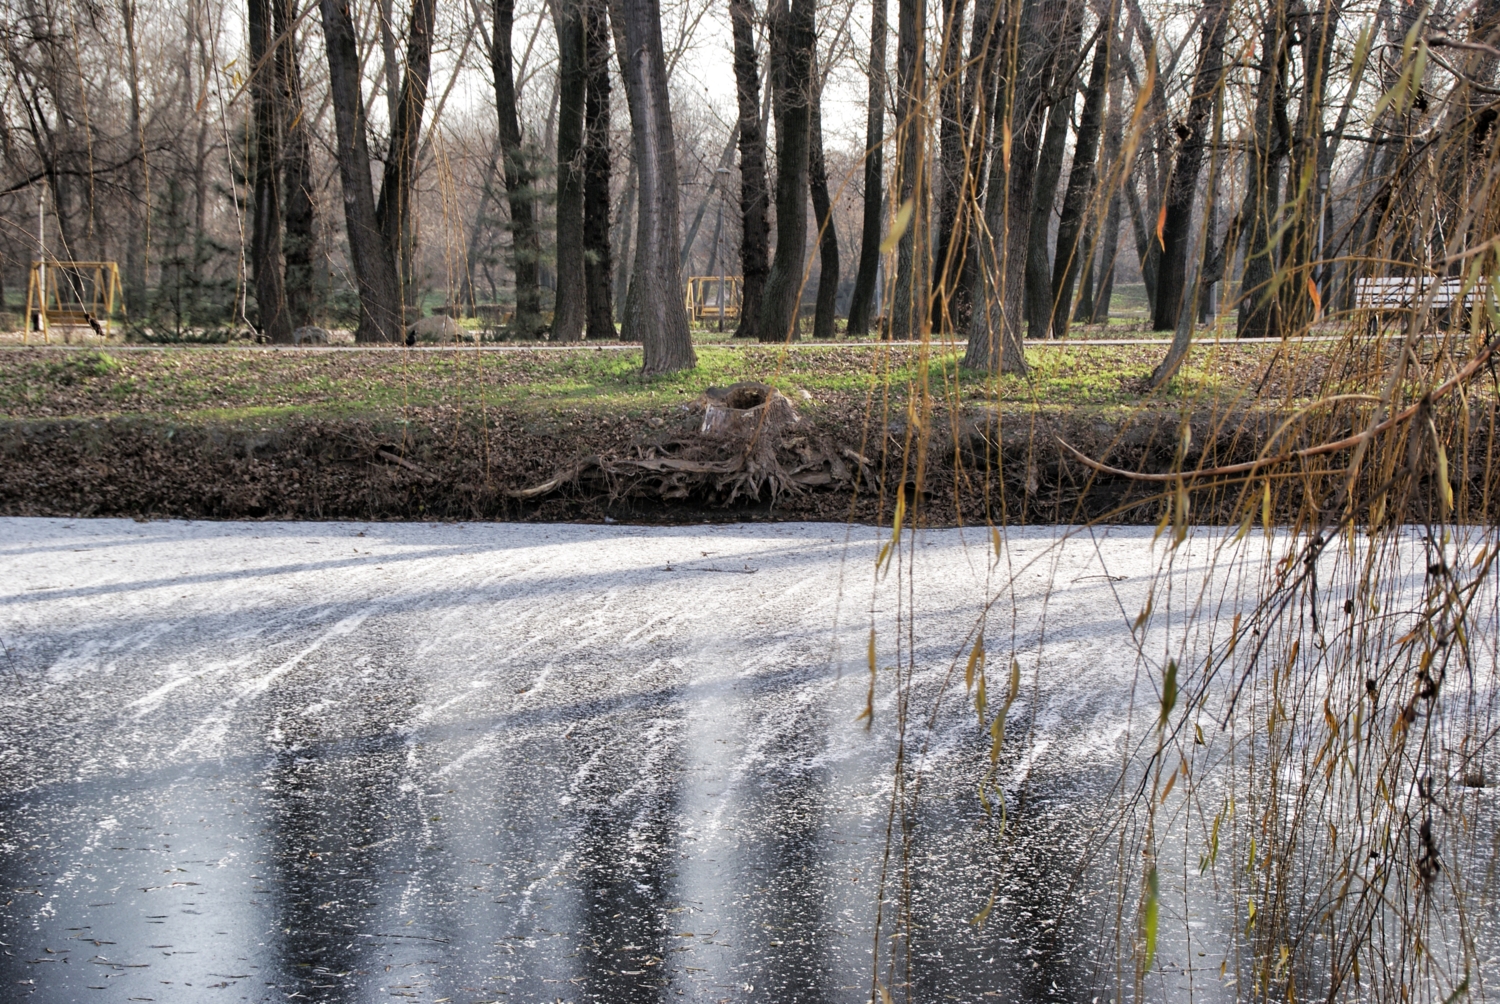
column 1000, row 269
column 265, row 225
column 520, row 183
column 869, row 239
column 1257, row 308
column 299, row 240
column 1072, row 251
column 374, row 269
column 1197, row 285
column 1063, row 90
column 720, row 170
column 977, row 111
column 1371, row 241
column 1108, row 257
column 478, row 227
column 546, row 272
column 828, row 241
column 1176, row 229
column 1154, row 166
column 139, row 196
column 911, row 175
column 570, row 310
column 1084, row 312
column 1114, row 128
column 755, row 255
column 791, row 81
column 204, row 149
column 1044, row 200
column 394, row 210
column 1471, row 126
column 654, row 315
column 390, row 65
column 1148, row 251
column 627, row 233
column 1306, row 159
column 952, row 171
column 598, row 265
column 1213, row 255
column 1336, row 274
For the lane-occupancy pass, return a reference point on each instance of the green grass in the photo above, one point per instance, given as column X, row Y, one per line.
column 224, row 383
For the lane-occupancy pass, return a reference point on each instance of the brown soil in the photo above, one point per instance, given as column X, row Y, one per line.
column 438, row 465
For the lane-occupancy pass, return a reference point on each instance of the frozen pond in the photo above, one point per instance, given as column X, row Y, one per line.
column 357, row 762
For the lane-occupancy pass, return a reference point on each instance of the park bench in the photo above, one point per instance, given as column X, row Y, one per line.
column 495, row 314
column 1385, row 296
column 1408, row 292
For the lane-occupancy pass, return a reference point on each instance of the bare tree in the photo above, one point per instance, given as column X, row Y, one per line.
column 1193, row 289
column 874, row 187
column 1176, row 225
column 265, row 229
column 952, row 171
column 725, row 159
column 995, row 327
column 394, row 210
column 1071, row 248
column 1063, row 87
column 139, row 196
column 299, row 238
column 1307, row 157
column 755, row 255
column 792, row 42
column 571, row 305
column 380, row 303
column 381, row 241
column 1147, row 166
column 1257, row 312
column 956, row 246
column 628, row 200
column 1114, row 121
column 653, row 308
column 597, row 260
column 520, row 182
column 911, row 181
column 828, row 240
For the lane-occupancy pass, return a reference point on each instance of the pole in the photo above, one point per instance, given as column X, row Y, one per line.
column 720, row 228
column 718, row 233
column 1320, row 271
column 41, row 259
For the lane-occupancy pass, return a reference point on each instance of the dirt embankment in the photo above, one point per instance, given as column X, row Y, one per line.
column 435, row 464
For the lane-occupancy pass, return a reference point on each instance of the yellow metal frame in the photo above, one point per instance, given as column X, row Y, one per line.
column 44, row 300
column 700, row 307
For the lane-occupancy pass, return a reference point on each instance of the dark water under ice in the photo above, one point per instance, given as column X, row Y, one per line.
column 348, row 762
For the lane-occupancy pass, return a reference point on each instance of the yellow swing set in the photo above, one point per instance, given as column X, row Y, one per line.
column 71, row 294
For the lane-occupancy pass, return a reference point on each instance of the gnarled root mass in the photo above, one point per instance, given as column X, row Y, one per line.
column 751, row 445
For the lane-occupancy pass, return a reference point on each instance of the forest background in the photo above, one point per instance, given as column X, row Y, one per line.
column 362, row 165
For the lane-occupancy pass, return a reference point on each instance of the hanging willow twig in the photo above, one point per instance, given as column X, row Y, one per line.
column 1347, row 443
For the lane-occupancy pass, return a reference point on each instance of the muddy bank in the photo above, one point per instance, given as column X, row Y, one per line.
column 978, row 465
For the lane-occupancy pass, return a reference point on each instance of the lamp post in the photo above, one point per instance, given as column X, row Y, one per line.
column 719, row 238
column 1321, row 270
column 41, row 255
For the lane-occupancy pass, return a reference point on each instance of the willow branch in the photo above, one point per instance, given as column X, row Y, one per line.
column 1349, row 442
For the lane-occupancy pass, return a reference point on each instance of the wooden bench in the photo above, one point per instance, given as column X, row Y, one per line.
column 1410, row 292
column 1444, row 298
column 494, row 313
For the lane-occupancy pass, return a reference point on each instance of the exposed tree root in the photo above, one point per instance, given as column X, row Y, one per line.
column 751, row 445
